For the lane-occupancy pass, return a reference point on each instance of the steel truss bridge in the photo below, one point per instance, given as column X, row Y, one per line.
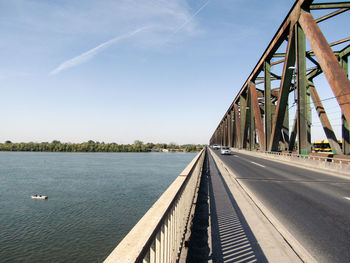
column 258, row 117
column 263, row 206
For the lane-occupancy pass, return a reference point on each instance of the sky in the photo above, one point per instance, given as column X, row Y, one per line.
column 126, row 70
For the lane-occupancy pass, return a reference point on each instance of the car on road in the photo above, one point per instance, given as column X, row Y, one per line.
column 225, row 150
column 216, row 147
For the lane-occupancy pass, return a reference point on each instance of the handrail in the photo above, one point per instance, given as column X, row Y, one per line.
column 310, row 157
column 159, row 234
column 325, row 159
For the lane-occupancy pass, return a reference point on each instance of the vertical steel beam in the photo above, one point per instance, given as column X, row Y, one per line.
column 246, row 124
column 267, row 98
column 222, row 134
column 333, row 142
column 308, row 110
column 232, row 128
column 345, row 123
column 345, row 135
column 229, row 132
column 285, row 129
column 293, row 134
column 225, row 132
column 334, row 73
column 257, row 115
column 284, row 92
column 251, row 122
column 303, row 130
column 243, row 115
column 238, row 127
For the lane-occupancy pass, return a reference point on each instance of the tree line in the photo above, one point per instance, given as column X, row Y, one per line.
column 92, row 146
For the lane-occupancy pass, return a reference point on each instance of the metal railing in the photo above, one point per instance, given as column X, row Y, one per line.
column 329, row 163
column 159, row 235
column 311, row 157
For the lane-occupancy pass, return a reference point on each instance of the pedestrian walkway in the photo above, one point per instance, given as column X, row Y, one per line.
column 219, row 232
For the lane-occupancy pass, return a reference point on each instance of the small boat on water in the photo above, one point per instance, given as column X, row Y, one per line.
column 39, row 197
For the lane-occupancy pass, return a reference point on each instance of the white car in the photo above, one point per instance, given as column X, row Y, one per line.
column 225, row 150
column 216, row 147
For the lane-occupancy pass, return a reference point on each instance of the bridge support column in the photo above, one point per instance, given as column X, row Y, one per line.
column 285, row 130
column 267, row 102
column 237, row 126
column 294, row 132
column 251, row 123
column 232, row 128
column 257, row 115
column 345, row 124
column 303, row 125
column 284, row 91
column 243, row 117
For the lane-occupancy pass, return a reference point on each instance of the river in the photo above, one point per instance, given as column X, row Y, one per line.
column 94, row 200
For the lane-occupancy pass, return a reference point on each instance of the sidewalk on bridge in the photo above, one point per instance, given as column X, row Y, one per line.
column 240, row 231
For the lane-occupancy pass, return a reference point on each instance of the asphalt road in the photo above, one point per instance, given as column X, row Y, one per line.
column 314, row 207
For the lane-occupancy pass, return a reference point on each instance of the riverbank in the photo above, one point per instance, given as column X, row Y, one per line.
column 92, row 146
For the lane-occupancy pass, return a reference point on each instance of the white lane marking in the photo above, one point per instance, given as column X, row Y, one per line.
column 258, row 164
column 347, row 198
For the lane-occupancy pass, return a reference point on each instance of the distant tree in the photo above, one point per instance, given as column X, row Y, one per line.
column 172, row 145
column 137, row 142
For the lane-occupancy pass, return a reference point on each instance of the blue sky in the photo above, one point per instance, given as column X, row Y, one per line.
column 125, row 70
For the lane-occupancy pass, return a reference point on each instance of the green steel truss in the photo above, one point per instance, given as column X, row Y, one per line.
column 258, row 118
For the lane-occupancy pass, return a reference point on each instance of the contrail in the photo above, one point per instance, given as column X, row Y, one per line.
column 187, row 21
column 93, row 52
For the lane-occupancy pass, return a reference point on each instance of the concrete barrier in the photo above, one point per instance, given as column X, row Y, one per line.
column 159, row 235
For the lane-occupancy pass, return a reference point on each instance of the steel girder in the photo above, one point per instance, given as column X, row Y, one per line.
column 265, row 112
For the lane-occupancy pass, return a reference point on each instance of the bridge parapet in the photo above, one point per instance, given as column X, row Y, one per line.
column 159, row 235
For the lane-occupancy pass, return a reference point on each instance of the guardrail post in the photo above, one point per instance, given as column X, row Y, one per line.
column 153, row 252
column 147, row 258
column 158, row 248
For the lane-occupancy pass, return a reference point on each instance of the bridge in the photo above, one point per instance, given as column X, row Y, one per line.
column 272, row 199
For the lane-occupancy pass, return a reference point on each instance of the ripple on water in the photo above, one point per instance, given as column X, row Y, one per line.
column 94, row 200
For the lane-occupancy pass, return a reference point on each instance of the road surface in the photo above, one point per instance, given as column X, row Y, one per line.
column 313, row 206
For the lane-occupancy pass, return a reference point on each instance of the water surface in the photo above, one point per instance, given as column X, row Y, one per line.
column 94, row 200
